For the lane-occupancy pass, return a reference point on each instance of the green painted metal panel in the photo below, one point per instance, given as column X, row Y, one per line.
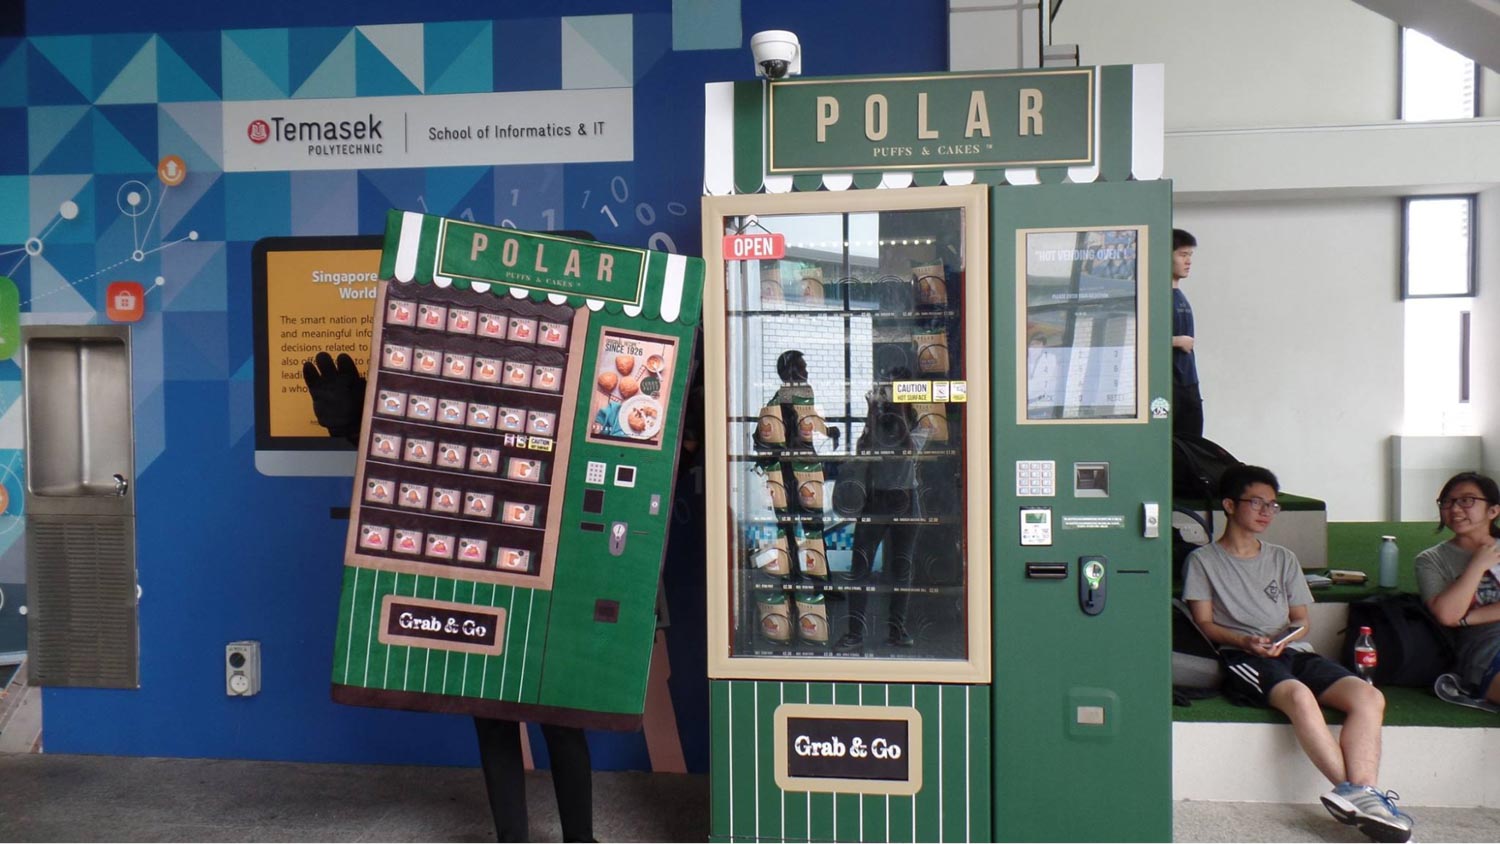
column 1115, row 155
column 360, row 659
column 945, row 121
column 749, row 136
column 1041, row 753
column 595, row 664
column 718, row 762
column 749, row 805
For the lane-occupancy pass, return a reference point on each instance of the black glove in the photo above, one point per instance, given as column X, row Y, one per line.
column 338, row 394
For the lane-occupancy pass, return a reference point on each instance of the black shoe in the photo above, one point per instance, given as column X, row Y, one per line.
column 899, row 638
column 850, row 642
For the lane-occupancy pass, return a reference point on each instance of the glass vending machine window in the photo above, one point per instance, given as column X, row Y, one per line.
column 849, row 386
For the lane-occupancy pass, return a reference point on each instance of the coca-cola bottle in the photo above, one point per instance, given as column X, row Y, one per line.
column 1365, row 657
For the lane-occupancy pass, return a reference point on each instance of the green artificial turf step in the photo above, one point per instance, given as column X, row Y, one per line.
column 1404, row 707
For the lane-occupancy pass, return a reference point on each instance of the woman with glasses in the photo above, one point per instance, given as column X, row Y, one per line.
column 1458, row 578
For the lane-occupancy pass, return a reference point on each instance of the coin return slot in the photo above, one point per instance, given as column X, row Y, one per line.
column 591, row 527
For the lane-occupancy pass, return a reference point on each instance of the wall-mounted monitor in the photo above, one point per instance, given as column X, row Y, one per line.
column 311, row 294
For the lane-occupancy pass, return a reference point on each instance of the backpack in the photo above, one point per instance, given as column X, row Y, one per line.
column 1412, row 648
column 1197, row 466
column 1197, row 669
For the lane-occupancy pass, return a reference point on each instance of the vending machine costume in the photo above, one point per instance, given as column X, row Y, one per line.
column 938, row 588
column 517, row 457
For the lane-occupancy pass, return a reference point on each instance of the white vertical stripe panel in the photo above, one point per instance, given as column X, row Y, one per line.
column 896, row 179
column 448, row 655
column 729, row 718
column 374, row 625
column 718, row 138
column 463, row 679
column 671, row 290
column 1091, row 173
column 781, row 699
column 958, row 177
column 838, row 181
column 1022, row 176
column 406, row 672
column 406, row 248
column 861, row 802
column 755, row 742
column 1148, row 121
column 349, row 645
column 510, row 622
column 526, row 643
column 484, row 673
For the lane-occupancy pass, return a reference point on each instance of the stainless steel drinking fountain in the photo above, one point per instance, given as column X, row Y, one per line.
column 80, row 506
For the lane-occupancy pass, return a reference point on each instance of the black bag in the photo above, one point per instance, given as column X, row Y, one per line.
column 1197, row 668
column 1412, row 649
column 1197, row 466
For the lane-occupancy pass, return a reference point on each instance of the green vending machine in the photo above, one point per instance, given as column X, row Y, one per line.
column 936, row 325
column 515, row 474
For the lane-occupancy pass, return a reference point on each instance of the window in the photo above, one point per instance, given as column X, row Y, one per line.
column 1437, row 282
column 1436, row 82
column 1438, row 252
column 1436, row 396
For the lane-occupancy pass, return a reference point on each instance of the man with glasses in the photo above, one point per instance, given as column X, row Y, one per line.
column 1245, row 594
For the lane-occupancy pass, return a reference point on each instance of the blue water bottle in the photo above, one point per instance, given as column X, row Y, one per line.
column 1388, row 562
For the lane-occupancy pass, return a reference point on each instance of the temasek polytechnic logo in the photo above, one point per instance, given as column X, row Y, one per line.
column 327, row 137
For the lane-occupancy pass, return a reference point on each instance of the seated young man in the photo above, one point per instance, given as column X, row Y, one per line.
column 1244, row 592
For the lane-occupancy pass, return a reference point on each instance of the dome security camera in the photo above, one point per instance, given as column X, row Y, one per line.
column 777, row 54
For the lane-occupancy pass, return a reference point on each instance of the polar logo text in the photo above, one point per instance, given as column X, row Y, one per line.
column 259, row 131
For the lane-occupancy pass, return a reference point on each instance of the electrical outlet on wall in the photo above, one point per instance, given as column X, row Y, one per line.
column 242, row 669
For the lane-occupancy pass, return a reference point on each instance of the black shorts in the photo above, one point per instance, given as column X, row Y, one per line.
column 1251, row 677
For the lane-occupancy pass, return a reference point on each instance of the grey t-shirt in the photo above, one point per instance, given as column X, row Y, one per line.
column 1252, row 595
column 1439, row 566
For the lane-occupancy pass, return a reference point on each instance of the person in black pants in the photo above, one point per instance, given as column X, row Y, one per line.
column 337, row 392
column 505, row 778
column 890, row 432
column 1187, row 399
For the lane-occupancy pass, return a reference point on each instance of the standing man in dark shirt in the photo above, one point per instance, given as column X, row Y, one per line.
column 1187, row 402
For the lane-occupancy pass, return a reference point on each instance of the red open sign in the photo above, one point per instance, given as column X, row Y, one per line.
column 758, row 246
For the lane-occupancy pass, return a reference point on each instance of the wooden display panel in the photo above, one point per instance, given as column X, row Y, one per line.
column 490, row 496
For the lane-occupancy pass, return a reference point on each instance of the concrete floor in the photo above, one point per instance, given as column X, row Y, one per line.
column 102, row 798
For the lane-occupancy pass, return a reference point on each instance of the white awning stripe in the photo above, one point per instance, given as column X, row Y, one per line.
column 671, row 291
column 406, row 248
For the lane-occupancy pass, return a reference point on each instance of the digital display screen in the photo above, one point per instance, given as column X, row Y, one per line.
column 1081, row 300
column 310, row 295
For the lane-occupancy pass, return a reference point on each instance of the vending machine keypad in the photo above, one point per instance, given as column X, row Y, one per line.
column 1036, row 478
